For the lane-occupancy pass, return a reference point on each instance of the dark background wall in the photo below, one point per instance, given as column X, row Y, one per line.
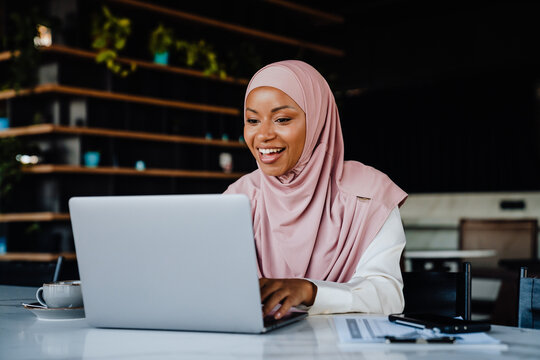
column 446, row 93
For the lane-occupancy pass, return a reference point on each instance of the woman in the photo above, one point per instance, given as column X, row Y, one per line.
column 328, row 232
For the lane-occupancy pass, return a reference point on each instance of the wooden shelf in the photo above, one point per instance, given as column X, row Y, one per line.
column 109, row 170
column 61, row 49
column 38, row 257
column 307, row 10
column 230, row 27
column 34, row 216
column 91, row 55
column 6, row 55
column 73, row 130
column 72, row 90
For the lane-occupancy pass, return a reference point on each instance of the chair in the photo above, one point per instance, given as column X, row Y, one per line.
column 440, row 293
column 512, row 239
column 529, row 301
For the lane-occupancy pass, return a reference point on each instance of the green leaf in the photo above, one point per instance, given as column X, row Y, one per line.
column 99, row 42
column 125, row 23
column 106, row 12
column 105, row 55
column 120, row 43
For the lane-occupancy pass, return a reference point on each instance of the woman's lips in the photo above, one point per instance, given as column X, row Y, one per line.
column 270, row 157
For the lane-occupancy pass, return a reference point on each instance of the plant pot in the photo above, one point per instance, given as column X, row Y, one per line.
column 3, row 244
column 140, row 165
column 91, row 158
column 4, row 123
column 161, row 58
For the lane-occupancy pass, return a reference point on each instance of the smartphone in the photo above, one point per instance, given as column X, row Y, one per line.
column 444, row 324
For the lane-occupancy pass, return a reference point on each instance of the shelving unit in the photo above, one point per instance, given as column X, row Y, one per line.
column 170, row 129
column 103, row 170
column 42, row 129
column 107, row 95
column 37, row 257
column 37, row 216
column 142, row 64
column 222, row 25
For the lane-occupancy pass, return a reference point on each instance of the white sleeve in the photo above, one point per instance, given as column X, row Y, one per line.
column 377, row 285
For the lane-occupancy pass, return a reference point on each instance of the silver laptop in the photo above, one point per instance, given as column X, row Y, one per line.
column 174, row 262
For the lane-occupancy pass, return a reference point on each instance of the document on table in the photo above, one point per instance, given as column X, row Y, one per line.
column 372, row 330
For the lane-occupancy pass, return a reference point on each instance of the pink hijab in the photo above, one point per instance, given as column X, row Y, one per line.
column 317, row 220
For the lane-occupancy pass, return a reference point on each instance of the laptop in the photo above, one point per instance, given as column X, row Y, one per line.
column 170, row 262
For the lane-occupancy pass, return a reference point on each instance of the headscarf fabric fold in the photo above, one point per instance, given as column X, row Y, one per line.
column 316, row 220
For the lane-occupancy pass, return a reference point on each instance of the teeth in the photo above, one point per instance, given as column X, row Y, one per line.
column 269, row 151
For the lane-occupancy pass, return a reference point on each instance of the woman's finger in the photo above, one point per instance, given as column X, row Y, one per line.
column 269, row 288
column 273, row 300
column 287, row 304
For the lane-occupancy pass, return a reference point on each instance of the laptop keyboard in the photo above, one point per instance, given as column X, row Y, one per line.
column 270, row 322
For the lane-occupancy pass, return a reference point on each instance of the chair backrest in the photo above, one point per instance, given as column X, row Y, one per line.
column 511, row 239
column 441, row 293
column 529, row 301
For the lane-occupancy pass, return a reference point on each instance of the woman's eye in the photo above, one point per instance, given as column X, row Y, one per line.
column 251, row 121
column 283, row 120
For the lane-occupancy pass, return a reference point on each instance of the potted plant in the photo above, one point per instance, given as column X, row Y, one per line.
column 201, row 55
column 24, row 59
column 161, row 41
column 110, row 34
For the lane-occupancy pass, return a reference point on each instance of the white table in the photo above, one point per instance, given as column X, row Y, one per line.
column 22, row 336
column 422, row 259
column 448, row 254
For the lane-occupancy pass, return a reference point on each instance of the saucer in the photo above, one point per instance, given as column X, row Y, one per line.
column 45, row 313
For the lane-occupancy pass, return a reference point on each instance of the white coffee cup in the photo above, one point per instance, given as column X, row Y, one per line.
column 60, row 294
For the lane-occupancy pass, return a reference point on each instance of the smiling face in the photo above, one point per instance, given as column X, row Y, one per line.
column 274, row 129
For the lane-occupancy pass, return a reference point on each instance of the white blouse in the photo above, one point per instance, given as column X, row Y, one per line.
column 377, row 285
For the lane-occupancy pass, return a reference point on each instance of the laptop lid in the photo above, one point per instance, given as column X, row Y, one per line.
column 178, row 262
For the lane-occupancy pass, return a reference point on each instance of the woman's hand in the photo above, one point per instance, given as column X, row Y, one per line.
column 287, row 292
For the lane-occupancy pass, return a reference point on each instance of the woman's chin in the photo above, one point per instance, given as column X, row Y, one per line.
column 271, row 170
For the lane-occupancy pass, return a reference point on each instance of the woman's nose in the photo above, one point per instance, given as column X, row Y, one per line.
column 266, row 131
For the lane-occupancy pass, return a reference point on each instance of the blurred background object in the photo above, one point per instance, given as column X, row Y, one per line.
column 529, row 301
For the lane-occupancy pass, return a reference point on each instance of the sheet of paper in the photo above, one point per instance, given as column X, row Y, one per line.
column 368, row 329
column 363, row 329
